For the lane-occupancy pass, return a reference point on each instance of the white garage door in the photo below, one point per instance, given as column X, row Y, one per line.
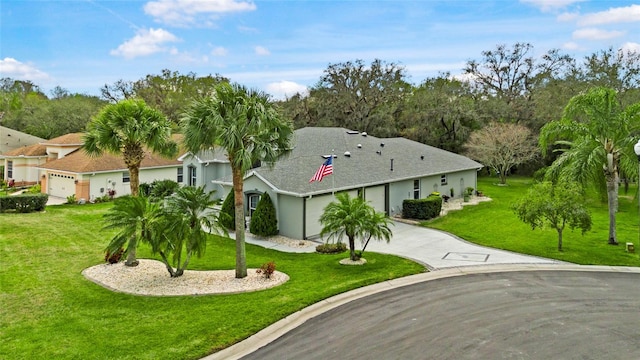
column 61, row 185
column 314, row 208
column 375, row 196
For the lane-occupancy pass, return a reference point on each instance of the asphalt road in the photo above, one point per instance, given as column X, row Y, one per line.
column 515, row 315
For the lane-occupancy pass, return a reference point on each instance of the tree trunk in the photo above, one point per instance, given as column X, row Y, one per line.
column 134, row 179
column 238, row 197
column 352, row 248
column 166, row 263
column 559, row 239
column 612, row 199
column 131, row 252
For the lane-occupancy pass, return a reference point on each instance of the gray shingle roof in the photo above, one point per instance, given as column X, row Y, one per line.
column 369, row 162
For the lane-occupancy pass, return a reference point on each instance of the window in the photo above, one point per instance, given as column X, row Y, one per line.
column 126, row 177
column 416, row 189
column 9, row 169
column 192, row 176
column 253, row 203
column 180, row 176
column 443, row 179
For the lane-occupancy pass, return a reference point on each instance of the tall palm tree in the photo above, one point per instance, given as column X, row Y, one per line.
column 134, row 217
column 189, row 219
column 353, row 218
column 248, row 126
column 127, row 128
column 596, row 137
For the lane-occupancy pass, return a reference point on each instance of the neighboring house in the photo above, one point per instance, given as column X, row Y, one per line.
column 20, row 154
column 70, row 171
column 384, row 171
column 13, row 139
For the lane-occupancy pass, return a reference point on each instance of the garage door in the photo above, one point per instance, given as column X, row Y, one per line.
column 314, row 208
column 376, row 197
column 61, row 185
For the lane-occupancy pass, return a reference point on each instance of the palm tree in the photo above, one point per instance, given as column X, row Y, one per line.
column 188, row 214
column 134, row 217
column 127, row 128
column 248, row 127
column 353, row 218
column 596, row 137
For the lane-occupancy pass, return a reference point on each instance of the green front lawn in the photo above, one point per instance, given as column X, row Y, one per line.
column 494, row 224
column 48, row 310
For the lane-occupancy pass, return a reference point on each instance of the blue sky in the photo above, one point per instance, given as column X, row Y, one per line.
column 283, row 46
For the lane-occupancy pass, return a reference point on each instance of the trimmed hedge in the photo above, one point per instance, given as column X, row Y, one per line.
column 263, row 219
column 422, row 209
column 24, row 203
column 333, row 248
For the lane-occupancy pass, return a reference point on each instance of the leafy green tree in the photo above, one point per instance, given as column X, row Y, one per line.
column 188, row 220
column 228, row 212
column 353, row 218
column 595, row 138
column 263, row 219
column 360, row 97
column 128, row 128
column 248, row 126
column 440, row 112
column 134, row 218
column 554, row 205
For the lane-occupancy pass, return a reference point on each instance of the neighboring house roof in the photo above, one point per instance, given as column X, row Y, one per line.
column 72, row 139
column 79, row 162
column 13, row 139
column 372, row 161
column 36, row 150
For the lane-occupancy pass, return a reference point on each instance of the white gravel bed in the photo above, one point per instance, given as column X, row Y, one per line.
column 151, row 278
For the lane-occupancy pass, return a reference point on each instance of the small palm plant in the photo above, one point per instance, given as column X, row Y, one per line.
column 354, row 218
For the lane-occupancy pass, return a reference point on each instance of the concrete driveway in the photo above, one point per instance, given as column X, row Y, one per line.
column 440, row 250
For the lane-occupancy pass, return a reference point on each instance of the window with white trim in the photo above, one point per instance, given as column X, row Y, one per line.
column 192, row 176
column 443, row 179
column 180, row 176
column 416, row 189
column 9, row 169
column 126, row 177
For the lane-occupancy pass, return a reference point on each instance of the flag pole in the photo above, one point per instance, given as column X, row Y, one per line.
column 333, row 178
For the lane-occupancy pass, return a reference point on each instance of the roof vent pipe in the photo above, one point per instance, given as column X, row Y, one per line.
column 391, row 164
column 364, row 133
column 379, row 152
column 359, row 146
column 381, row 144
column 421, row 157
column 347, row 154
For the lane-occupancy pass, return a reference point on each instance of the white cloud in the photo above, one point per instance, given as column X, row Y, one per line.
column 12, row 68
column 282, row 89
column 262, row 51
column 550, row 5
column 571, row 46
column 194, row 12
column 596, row 34
column 219, row 51
column 631, row 47
column 567, row 16
column 613, row 15
column 146, row 42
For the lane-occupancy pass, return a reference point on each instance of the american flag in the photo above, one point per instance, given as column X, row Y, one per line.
column 324, row 170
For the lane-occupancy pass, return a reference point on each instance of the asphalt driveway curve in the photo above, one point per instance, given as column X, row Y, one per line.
column 541, row 312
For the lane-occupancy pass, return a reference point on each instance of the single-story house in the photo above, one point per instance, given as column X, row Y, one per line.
column 73, row 172
column 385, row 171
column 20, row 154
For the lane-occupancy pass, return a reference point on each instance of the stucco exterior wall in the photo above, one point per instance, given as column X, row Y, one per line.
column 290, row 216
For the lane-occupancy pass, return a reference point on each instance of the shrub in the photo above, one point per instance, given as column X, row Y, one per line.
column 36, row 189
column 469, row 191
column 267, row 269
column 422, row 209
column 113, row 257
column 71, row 199
column 144, row 189
column 336, row 248
column 163, row 188
column 24, row 203
column 263, row 220
column 228, row 212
